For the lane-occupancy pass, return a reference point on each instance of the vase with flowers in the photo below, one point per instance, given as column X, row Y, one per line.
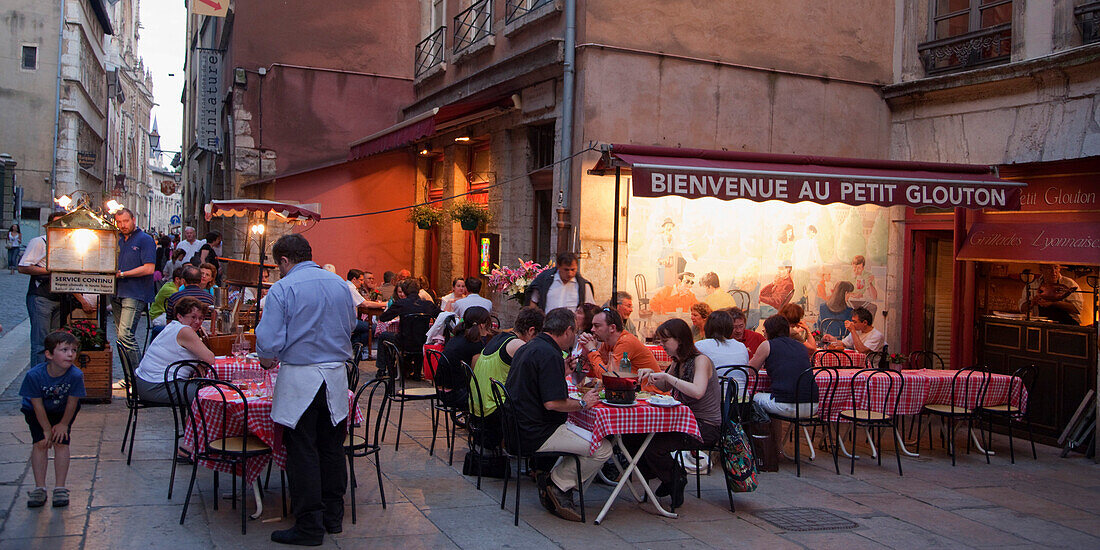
column 512, row 282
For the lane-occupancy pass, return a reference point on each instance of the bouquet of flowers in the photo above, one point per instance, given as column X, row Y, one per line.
column 90, row 335
column 512, row 282
column 898, row 358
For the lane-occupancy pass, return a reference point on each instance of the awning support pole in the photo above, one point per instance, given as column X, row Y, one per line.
column 615, row 243
column 260, row 278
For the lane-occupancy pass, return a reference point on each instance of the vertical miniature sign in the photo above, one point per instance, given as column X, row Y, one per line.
column 206, row 107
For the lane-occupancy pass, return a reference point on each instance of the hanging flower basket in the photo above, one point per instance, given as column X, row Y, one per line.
column 425, row 216
column 470, row 215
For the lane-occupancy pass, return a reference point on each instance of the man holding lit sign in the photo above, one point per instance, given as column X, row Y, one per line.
column 137, row 255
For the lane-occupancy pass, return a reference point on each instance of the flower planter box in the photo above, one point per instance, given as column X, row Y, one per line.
column 98, row 379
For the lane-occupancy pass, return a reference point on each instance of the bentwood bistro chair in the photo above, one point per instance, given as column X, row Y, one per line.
column 364, row 440
column 174, row 387
column 134, row 403
column 399, row 392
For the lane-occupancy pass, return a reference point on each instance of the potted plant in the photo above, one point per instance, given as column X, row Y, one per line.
column 425, row 216
column 471, row 215
column 94, row 359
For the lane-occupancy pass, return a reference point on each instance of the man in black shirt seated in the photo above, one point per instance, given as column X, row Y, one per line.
column 536, row 386
column 408, row 301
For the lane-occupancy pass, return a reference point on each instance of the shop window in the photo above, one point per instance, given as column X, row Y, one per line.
column 481, row 168
column 29, row 58
column 544, row 220
column 965, row 34
column 1087, row 15
column 540, row 139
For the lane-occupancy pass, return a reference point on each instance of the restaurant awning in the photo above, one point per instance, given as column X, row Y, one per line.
column 286, row 212
column 1063, row 243
column 427, row 123
column 728, row 175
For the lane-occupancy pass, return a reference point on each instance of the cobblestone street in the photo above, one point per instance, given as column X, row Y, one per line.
column 13, row 303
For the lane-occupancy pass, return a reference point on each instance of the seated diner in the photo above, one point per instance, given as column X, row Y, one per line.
column 178, row 341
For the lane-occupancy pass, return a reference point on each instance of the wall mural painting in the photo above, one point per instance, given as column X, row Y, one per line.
column 756, row 256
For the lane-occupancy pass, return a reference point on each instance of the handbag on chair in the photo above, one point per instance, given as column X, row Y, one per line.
column 737, row 460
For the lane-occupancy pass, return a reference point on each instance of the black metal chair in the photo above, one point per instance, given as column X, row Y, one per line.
column 732, row 396
column 351, row 368
column 742, row 400
column 412, row 333
column 134, row 403
column 827, row 379
column 514, row 448
column 475, row 434
column 872, row 359
column 843, row 360
column 368, row 443
column 966, row 382
column 1022, row 380
column 357, row 352
column 921, row 359
column 399, row 393
column 495, row 321
column 197, row 368
column 220, row 446
column 872, row 411
column 443, row 386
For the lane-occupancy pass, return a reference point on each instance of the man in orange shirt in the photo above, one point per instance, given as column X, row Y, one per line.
column 671, row 298
column 611, row 342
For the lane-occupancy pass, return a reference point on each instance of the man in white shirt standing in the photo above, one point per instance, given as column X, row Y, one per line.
column 189, row 245
column 561, row 286
column 306, row 326
column 861, row 337
column 472, row 298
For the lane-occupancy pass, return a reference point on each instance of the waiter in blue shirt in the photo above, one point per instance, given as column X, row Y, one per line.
column 137, row 257
column 306, row 325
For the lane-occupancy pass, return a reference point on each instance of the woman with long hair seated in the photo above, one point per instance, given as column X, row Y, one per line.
column 692, row 381
column 785, row 359
column 178, row 341
column 471, row 334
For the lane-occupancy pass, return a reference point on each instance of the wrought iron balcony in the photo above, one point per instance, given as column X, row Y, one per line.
column 1088, row 21
column 429, row 52
column 967, row 51
column 473, row 24
column 515, row 9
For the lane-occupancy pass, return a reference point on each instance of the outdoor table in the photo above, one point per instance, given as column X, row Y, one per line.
column 370, row 314
column 260, row 423
column 922, row 387
column 642, row 418
column 660, row 355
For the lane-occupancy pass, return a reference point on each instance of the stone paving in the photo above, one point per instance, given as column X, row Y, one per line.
column 13, row 299
column 1049, row 502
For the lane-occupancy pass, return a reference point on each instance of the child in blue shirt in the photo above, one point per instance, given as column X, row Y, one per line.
column 51, row 394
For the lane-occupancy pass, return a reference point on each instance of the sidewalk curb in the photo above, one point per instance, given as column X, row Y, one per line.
column 15, row 350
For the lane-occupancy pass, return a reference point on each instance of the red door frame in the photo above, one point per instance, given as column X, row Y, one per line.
column 918, row 229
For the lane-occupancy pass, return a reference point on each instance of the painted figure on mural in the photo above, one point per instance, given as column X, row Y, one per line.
column 677, row 298
column 778, row 292
column 670, row 261
column 865, row 292
column 834, row 311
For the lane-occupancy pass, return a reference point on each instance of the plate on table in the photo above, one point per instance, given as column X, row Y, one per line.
column 663, row 401
column 610, row 404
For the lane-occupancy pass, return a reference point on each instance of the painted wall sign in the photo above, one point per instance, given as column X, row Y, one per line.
column 86, row 159
column 1070, row 243
column 206, row 108
column 1060, row 194
column 213, row 8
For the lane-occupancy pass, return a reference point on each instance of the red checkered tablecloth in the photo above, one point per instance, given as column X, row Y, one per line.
column 922, row 387
column 659, row 354
column 229, row 367
column 603, row 420
column 260, row 424
column 832, row 360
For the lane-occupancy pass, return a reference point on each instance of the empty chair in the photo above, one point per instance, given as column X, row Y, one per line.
column 968, row 387
column 920, row 359
column 193, row 368
column 875, row 396
column 1023, row 381
column 398, row 392
column 364, row 440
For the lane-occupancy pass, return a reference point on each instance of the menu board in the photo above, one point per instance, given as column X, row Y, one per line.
column 81, row 251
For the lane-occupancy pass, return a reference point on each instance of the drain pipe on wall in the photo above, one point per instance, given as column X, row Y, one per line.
column 565, row 234
column 57, row 106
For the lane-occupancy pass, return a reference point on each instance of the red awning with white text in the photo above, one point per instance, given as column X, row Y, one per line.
column 726, row 175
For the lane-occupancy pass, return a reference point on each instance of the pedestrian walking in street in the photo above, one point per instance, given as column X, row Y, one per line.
column 306, row 326
column 137, row 256
column 15, row 240
column 51, row 393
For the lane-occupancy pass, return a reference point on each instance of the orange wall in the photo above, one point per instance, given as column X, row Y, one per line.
column 375, row 243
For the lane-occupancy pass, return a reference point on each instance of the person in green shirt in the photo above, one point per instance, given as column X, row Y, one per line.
column 494, row 363
column 156, row 309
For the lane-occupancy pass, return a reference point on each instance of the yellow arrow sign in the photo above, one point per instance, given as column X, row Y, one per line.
column 213, row 8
